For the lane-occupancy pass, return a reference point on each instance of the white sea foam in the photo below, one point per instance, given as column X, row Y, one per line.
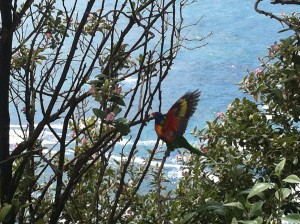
column 55, row 126
column 17, row 135
column 154, row 163
column 172, row 167
column 49, row 142
column 69, row 152
column 175, row 174
column 130, row 80
column 140, row 143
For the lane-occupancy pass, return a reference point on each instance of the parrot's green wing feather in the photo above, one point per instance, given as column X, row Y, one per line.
column 181, row 142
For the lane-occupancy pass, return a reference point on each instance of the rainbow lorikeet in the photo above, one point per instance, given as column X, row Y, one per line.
column 170, row 127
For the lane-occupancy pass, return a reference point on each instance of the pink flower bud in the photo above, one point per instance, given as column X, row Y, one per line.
column 49, row 35
column 178, row 158
column 92, row 90
column 90, row 16
column 129, row 212
column 220, row 114
column 118, row 89
column 185, row 173
column 83, row 140
column 204, row 150
column 110, row 117
column 275, row 46
column 257, row 71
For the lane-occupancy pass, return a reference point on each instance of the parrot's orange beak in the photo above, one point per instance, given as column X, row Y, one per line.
column 153, row 114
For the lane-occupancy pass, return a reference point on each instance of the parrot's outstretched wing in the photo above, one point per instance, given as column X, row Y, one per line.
column 179, row 114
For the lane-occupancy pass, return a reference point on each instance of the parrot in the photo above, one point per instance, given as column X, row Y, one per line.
column 170, row 127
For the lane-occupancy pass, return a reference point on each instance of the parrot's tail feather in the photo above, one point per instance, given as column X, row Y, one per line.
column 183, row 143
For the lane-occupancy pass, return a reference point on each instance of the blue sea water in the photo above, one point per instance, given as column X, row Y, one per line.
column 238, row 37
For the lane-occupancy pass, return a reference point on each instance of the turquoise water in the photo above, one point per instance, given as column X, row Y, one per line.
column 239, row 36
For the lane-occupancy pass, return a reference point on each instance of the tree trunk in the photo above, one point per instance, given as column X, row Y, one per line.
column 5, row 59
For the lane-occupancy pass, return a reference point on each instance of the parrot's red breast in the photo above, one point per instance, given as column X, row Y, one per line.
column 174, row 123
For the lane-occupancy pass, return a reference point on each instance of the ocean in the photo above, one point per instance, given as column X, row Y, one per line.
column 238, row 37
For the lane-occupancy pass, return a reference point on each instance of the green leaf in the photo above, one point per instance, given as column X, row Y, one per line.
column 258, row 188
column 187, row 218
column 279, row 167
column 5, row 212
column 294, row 218
column 249, row 222
column 216, row 207
column 283, row 193
column 118, row 100
column 259, row 220
column 234, row 221
column 133, row 5
column 235, row 204
column 123, row 128
column 256, row 221
column 121, row 120
column 99, row 113
column 293, row 179
column 256, row 208
column 117, row 110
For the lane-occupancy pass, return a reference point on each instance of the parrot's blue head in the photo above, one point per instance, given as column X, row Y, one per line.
column 158, row 117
